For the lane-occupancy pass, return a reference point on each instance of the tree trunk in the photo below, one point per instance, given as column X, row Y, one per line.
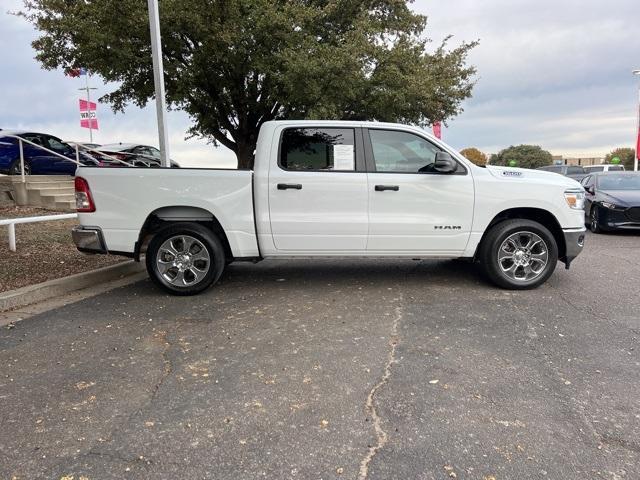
column 244, row 154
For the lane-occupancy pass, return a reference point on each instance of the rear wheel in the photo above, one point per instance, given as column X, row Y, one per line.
column 185, row 259
column 15, row 168
column 519, row 254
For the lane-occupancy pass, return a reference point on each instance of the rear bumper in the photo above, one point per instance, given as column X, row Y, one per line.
column 574, row 242
column 89, row 239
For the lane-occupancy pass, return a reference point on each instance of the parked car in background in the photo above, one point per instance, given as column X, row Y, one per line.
column 572, row 171
column 612, row 201
column 138, row 155
column 38, row 161
column 604, row 168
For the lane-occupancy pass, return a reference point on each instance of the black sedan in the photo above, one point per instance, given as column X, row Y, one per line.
column 612, row 201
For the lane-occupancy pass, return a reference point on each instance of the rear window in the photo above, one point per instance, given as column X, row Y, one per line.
column 616, row 168
column 599, row 168
column 575, row 170
column 313, row 149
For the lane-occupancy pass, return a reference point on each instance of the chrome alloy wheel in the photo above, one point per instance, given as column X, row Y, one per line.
column 183, row 261
column 523, row 256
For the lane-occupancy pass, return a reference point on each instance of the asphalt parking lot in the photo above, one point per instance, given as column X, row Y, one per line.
column 333, row 369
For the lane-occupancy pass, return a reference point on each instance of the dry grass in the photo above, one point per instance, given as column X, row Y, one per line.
column 44, row 251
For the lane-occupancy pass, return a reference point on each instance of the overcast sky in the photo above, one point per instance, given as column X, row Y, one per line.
column 552, row 72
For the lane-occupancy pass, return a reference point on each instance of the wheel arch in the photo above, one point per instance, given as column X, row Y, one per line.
column 165, row 216
column 544, row 217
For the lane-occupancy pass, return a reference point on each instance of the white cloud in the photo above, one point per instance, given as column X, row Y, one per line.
column 555, row 73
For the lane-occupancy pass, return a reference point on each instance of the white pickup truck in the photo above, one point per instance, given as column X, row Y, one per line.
column 333, row 189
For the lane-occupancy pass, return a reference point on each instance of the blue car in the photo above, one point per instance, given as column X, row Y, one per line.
column 36, row 160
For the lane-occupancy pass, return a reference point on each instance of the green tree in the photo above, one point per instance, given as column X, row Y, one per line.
column 234, row 64
column 525, row 156
column 475, row 155
column 625, row 154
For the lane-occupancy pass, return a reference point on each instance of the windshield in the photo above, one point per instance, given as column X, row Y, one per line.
column 619, row 182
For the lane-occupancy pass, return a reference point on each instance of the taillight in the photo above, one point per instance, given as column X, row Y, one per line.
column 84, row 202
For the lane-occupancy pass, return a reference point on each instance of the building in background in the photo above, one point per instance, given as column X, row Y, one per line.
column 581, row 161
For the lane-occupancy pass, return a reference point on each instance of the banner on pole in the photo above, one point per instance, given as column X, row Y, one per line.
column 88, row 118
column 437, row 130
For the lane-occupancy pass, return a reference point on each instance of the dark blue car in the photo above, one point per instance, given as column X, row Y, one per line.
column 612, row 201
column 38, row 161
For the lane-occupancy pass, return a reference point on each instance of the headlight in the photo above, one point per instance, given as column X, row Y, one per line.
column 611, row 206
column 574, row 199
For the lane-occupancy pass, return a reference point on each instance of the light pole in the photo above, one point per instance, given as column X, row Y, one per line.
column 635, row 160
column 158, row 80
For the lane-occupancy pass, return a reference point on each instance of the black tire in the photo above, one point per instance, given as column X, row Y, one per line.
column 493, row 242
column 594, row 226
column 188, row 284
column 14, row 169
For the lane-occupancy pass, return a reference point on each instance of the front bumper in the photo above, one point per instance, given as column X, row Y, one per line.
column 88, row 239
column 574, row 243
column 619, row 218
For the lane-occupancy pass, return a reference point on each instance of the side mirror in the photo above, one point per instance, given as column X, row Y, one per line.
column 590, row 190
column 444, row 163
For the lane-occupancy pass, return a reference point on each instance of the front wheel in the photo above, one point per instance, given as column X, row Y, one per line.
column 594, row 224
column 185, row 259
column 519, row 254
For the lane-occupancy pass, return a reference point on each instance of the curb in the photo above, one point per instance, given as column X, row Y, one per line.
column 52, row 288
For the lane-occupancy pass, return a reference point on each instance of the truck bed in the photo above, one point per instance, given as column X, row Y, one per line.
column 126, row 197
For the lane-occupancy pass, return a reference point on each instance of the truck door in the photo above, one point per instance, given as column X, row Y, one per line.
column 412, row 208
column 318, row 191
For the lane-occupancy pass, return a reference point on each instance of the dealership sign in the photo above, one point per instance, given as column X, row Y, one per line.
column 88, row 118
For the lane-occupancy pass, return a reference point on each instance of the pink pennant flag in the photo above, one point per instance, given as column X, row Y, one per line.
column 437, row 130
column 88, row 118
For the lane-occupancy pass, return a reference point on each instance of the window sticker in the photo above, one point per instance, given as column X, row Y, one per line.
column 343, row 157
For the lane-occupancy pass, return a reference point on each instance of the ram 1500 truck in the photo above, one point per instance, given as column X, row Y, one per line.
column 333, row 189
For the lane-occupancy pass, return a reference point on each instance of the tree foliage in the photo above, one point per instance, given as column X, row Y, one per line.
column 475, row 155
column 525, row 156
column 625, row 154
column 234, row 64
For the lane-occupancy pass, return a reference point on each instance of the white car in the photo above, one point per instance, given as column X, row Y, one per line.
column 333, row 189
column 604, row 168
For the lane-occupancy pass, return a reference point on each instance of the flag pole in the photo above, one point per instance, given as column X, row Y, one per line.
column 158, row 80
column 637, row 156
column 89, row 108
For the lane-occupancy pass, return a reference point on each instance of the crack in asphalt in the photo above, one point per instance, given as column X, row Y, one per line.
column 167, row 368
column 382, row 437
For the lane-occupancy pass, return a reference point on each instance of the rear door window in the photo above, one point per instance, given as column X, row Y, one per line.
column 318, row 149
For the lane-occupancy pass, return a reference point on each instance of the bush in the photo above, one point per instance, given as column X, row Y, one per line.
column 523, row 156
column 475, row 155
